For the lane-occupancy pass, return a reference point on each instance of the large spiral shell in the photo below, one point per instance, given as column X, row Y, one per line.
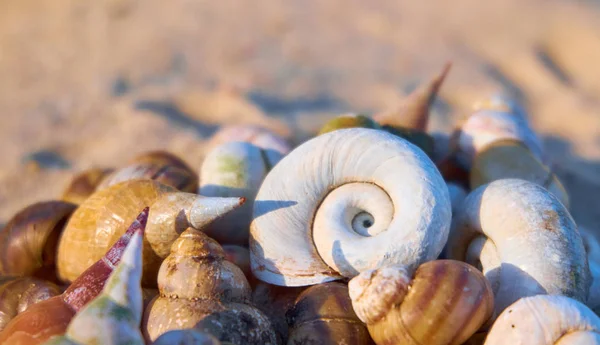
column 344, row 202
column 523, row 239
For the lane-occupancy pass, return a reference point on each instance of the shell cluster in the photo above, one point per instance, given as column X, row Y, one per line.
column 371, row 232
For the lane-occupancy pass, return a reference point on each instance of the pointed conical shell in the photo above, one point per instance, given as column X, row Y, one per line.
column 113, row 317
column 104, row 216
column 344, row 202
column 234, row 169
column 523, row 238
column 28, row 242
column 546, row 320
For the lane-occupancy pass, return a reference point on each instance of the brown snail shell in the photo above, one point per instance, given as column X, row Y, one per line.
column 444, row 303
column 323, row 314
column 19, row 293
column 28, row 242
column 200, row 289
column 51, row 317
column 161, row 166
column 84, row 184
column 104, row 216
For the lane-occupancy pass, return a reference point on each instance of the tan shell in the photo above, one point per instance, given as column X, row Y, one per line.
column 323, row 314
column 105, row 215
column 199, row 289
column 523, row 239
column 443, row 304
column 84, row 184
column 28, row 242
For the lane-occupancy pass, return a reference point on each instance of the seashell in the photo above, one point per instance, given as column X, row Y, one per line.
column 274, row 301
column 592, row 248
column 19, row 293
column 546, row 320
column 84, row 184
column 161, row 166
column 28, row 242
column 524, row 240
column 444, row 303
column 509, row 158
column 114, row 316
column 240, row 256
column 349, row 121
column 486, row 126
column 200, row 289
column 328, row 211
column 186, row 337
column 274, row 145
column 103, row 217
column 457, row 195
column 234, row 169
column 323, row 314
column 51, row 317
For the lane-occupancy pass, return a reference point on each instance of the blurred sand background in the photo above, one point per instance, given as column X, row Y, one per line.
column 92, row 83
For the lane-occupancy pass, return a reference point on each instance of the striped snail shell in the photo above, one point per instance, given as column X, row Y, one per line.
column 523, row 239
column 344, row 202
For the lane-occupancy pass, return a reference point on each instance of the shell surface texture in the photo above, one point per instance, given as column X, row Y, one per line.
column 104, row 217
column 344, row 202
column 443, row 303
column 523, row 239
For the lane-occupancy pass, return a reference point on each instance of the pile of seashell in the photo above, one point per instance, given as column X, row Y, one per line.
column 356, row 236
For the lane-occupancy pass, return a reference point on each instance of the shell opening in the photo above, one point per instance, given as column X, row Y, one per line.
column 483, row 254
column 362, row 222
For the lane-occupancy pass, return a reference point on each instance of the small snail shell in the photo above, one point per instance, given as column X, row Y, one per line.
column 546, row 320
column 323, row 314
column 508, row 158
column 328, row 209
column 274, row 301
column 186, row 337
column 28, row 242
column 51, row 317
column 523, row 239
column 592, row 247
column 240, row 256
column 349, row 121
column 104, row 216
column 201, row 290
column 443, row 304
column 84, row 184
column 114, row 316
column 234, row 169
column 161, row 166
column 486, row 126
column 274, row 145
column 18, row 293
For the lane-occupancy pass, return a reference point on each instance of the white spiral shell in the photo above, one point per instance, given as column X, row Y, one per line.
column 344, row 202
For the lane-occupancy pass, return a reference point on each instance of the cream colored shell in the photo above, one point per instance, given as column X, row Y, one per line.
column 344, row 202
column 524, row 240
column 546, row 320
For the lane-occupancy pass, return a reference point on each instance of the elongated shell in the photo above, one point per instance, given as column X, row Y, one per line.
column 523, row 239
column 19, row 293
column 161, row 166
column 104, row 217
column 114, row 316
column 51, row 317
column 84, row 184
column 274, row 145
column 486, row 126
column 234, row 169
column 546, row 320
column 323, row 314
column 28, row 242
column 344, row 202
column 443, row 304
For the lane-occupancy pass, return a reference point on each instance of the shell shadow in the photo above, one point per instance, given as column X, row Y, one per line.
column 263, row 207
column 175, row 116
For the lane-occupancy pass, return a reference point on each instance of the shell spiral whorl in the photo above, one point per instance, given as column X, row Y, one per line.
column 344, row 202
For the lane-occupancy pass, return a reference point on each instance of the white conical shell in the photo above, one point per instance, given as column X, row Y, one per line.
column 489, row 125
column 234, row 169
column 114, row 316
column 546, row 320
column 345, row 202
column 524, row 240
